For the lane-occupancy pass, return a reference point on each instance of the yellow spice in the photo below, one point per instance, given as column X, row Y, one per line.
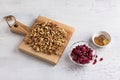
column 101, row 40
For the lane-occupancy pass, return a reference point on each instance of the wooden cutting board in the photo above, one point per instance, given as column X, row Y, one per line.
column 23, row 29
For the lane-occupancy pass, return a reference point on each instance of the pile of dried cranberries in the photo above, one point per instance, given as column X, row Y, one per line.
column 82, row 54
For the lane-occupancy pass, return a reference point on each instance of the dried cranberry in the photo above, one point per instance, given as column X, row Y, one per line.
column 84, row 49
column 95, row 60
column 75, row 59
column 100, row 59
column 74, row 50
column 78, row 47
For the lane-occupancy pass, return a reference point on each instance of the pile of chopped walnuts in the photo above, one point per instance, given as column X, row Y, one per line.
column 46, row 37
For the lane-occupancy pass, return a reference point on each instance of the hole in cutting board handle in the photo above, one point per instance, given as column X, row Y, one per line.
column 15, row 25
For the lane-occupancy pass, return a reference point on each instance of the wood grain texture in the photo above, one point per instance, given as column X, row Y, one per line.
column 49, row 58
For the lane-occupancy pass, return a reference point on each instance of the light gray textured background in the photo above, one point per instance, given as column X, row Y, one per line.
column 86, row 16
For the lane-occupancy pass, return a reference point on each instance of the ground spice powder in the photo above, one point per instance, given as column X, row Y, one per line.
column 101, row 40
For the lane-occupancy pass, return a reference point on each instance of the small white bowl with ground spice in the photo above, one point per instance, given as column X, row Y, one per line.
column 101, row 38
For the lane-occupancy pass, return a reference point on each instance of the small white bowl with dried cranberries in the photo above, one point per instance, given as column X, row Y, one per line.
column 81, row 53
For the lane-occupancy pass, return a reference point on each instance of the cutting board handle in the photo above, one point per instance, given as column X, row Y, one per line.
column 16, row 26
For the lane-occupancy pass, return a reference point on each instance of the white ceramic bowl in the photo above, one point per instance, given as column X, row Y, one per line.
column 106, row 34
column 81, row 43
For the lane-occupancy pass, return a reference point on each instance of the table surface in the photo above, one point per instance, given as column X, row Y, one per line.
column 86, row 16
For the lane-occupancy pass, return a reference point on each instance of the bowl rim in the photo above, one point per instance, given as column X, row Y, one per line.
column 106, row 33
column 89, row 45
